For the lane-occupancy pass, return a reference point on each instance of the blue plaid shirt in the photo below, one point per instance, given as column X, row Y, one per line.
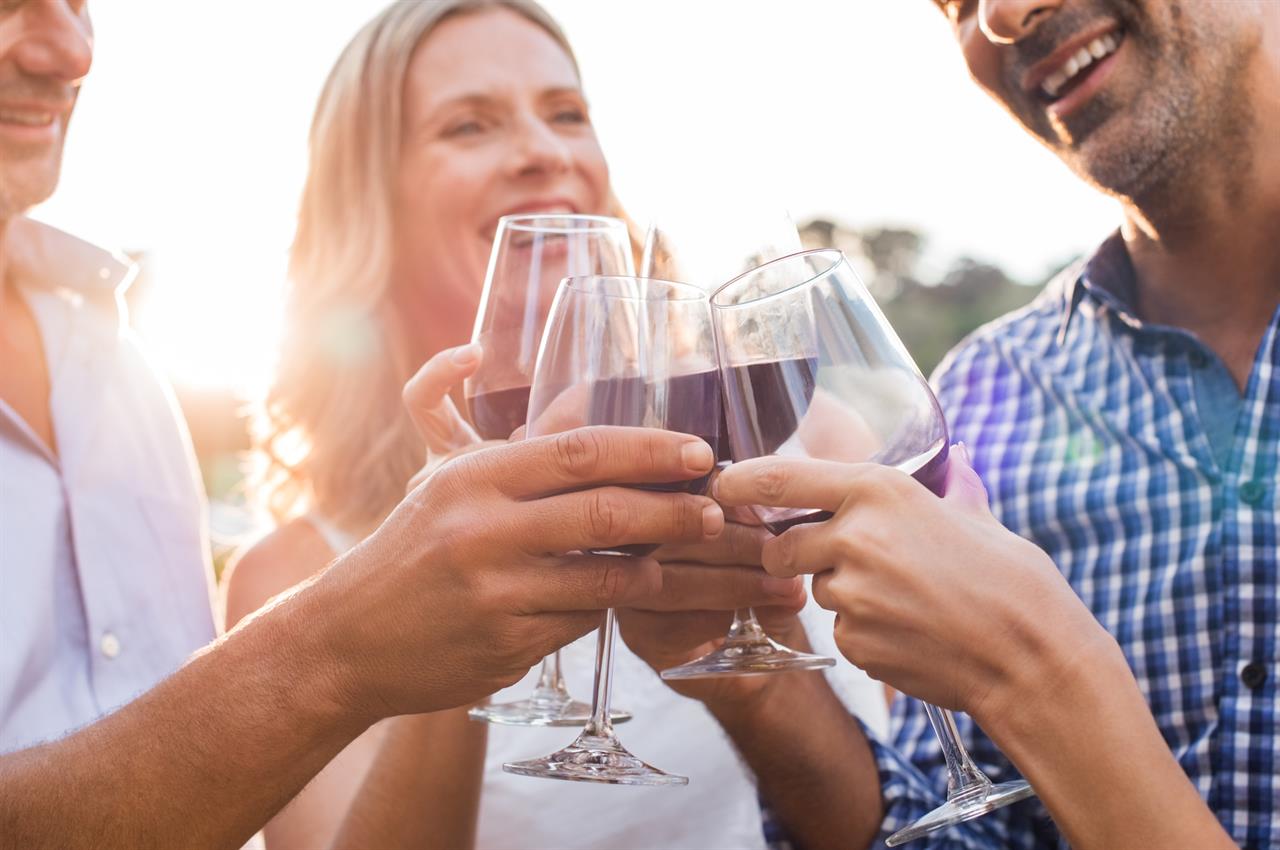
column 1112, row 444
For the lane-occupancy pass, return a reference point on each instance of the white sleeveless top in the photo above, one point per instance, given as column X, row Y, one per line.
column 717, row 810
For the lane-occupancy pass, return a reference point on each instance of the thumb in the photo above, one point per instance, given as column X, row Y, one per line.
column 964, row 488
column 426, row 397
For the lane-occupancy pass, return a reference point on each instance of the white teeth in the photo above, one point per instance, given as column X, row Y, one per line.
column 29, row 119
column 1094, row 51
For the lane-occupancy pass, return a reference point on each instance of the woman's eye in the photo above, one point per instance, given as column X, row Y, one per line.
column 570, row 115
column 464, row 128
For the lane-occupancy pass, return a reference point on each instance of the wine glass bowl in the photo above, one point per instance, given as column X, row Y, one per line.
column 531, row 254
column 635, row 352
column 813, row 369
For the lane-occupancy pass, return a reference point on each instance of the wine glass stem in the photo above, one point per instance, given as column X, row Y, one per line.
column 550, row 679
column 745, row 629
column 964, row 778
column 601, row 723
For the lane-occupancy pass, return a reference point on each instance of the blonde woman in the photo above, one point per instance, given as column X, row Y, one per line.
column 437, row 119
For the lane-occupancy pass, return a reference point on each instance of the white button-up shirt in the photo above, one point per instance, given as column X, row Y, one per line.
column 105, row 581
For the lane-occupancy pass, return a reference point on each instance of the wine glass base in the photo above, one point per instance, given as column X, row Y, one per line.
column 540, row 712
column 595, row 758
column 753, row 657
column 963, row 809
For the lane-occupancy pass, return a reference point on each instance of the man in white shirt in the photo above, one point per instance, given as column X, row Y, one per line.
column 104, row 582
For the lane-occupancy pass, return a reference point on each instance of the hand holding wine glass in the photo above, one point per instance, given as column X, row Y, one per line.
column 532, row 253
column 624, row 351
column 806, row 354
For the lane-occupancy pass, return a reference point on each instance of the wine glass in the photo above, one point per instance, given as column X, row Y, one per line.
column 811, row 368
column 623, row 351
column 705, row 248
column 531, row 255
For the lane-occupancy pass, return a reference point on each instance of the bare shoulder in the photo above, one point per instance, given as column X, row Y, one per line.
column 290, row 554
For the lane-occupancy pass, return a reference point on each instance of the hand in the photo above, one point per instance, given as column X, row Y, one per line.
column 933, row 596
column 702, row 584
column 471, row 579
column 445, row 431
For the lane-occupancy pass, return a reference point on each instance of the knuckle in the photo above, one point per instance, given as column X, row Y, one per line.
column 578, row 452
column 771, row 483
column 612, row 581
column 606, row 517
column 686, row 517
column 780, row 552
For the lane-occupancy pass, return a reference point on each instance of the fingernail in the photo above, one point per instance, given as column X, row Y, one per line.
column 697, row 456
column 780, row 586
column 961, row 449
column 712, row 520
column 466, row 354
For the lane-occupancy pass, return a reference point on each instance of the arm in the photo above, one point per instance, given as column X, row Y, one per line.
column 201, row 760
column 206, row 757
column 813, row 763
column 1036, row 670
column 423, row 788
column 422, row 770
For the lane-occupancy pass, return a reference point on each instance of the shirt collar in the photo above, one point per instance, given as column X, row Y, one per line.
column 43, row 257
column 1106, row 278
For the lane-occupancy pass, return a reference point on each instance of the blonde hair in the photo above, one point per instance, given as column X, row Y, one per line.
column 333, row 435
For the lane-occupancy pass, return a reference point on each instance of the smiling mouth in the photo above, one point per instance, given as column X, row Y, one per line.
column 26, row 118
column 1077, row 68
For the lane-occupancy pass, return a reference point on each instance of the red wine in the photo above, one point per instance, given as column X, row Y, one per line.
column 763, row 411
column 765, row 403
column 496, row 414
column 929, row 469
column 692, row 406
column 778, row 526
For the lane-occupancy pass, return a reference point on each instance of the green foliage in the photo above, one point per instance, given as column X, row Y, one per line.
column 931, row 317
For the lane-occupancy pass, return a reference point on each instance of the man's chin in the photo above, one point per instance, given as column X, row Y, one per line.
column 25, row 184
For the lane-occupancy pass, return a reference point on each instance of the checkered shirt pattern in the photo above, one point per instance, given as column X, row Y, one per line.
column 1082, row 421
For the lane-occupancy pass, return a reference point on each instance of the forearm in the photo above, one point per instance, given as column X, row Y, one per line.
column 814, row 764
column 202, row 760
column 1087, row 742
column 423, row 789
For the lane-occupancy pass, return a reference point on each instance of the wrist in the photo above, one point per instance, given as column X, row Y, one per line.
column 751, row 710
column 1062, row 677
column 309, row 629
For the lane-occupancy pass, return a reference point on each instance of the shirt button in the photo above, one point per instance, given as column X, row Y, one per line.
column 1252, row 492
column 110, row 645
column 1252, row 675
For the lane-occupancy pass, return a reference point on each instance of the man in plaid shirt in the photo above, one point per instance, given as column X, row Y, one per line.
column 1127, row 423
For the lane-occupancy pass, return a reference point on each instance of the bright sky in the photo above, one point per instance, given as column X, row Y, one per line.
column 189, row 141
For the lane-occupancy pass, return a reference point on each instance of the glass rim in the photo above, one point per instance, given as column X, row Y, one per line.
column 684, row 291
column 522, row 222
column 837, row 255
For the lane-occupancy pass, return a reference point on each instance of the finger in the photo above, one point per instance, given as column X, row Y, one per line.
column 787, row 482
column 821, row 590
column 678, row 629
column 963, row 487
column 608, row 517
column 700, row 587
column 801, row 549
column 582, row 583
column 738, row 545
column 437, row 461
column 426, row 397
column 556, row 630
column 586, row 457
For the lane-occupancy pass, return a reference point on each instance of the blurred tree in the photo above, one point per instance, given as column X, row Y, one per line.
column 930, row 316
